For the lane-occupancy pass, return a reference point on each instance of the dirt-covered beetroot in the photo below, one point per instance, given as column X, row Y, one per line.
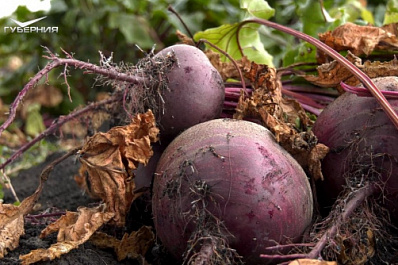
column 364, row 146
column 195, row 91
column 232, row 173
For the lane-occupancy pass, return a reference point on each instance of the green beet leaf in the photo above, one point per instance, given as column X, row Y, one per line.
column 224, row 37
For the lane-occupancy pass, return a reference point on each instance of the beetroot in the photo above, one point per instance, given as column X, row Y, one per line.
column 363, row 143
column 143, row 175
column 195, row 91
column 229, row 179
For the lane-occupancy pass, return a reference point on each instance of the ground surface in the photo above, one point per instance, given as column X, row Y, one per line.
column 62, row 193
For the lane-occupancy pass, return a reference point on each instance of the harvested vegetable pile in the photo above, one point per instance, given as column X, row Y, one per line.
column 233, row 162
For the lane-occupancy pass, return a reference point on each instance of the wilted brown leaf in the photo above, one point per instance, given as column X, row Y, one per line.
column 267, row 93
column 12, row 217
column 73, row 230
column 314, row 160
column 11, row 230
column 78, row 226
column 227, row 69
column 53, row 252
column 331, row 74
column 312, row 262
column 184, row 38
column 132, row 246
column 109, row 158
column 359, row 39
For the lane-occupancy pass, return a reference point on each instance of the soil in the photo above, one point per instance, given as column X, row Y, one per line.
column 62, row 193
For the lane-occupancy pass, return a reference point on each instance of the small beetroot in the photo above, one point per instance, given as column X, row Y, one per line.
column 195, row 91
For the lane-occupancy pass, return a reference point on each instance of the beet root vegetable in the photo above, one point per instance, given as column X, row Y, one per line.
column 143, row 175
column 363, row 144
column 195, row 91
column 229, row 179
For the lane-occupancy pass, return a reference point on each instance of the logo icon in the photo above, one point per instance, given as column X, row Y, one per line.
column 27, row 23
column 24, row 27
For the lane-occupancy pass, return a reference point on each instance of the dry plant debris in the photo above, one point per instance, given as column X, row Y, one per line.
column 73, row 230
column 361, row 39
column 312, row 262
column 134, row 245
column 331, row 74
column 11, row 227
column 12, row 217
column 107, row 161
column 109, row 158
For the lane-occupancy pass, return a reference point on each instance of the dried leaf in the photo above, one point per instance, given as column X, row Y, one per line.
column 133, row 246
column 226, row 69
column 312, row 262
column 12, row 217
column 53, row 252
column 359, row 39
column 314, row 160
column 109, row 158
column 331, row 74
column 184, row 38
column 267, row 93
column 10, row 231
column 73, row 230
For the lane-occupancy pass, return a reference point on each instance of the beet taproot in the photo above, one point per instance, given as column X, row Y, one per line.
column 195, row 91
column 244, row 182
column 363, row 146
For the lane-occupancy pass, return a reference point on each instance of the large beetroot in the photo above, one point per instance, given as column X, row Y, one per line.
column 363, row 144
column 228, row 183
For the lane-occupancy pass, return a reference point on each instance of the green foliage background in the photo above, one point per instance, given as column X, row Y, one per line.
column 89, row 26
